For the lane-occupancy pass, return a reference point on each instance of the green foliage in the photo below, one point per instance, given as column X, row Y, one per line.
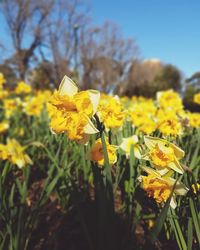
column 111, row 210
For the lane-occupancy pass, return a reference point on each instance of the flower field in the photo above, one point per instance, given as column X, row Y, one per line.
column 87, row 170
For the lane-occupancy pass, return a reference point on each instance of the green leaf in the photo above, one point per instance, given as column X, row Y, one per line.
column 177, row 229
column 190, row 234
column 159, row 222
column 195, row 218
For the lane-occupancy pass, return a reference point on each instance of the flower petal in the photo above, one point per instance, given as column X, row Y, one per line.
column 137, row 152
column 150, row 171
column 173, row 203
column 177, row 151
column 150, row 141
column 176, row 166
column 94, row 98
column 67, row 87
column 90, row 128
column 181, row 189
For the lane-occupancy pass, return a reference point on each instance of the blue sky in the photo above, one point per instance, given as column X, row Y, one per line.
column 165, row 29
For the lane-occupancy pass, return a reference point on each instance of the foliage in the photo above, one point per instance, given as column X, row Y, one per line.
column 89, row 196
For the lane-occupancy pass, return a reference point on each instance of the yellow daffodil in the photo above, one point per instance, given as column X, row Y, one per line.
column 129, row 142
column 2, row 80
column 194, row 120
column 3, row 127
column 10, row 106
column 33, row 107
column 196, row 188
column 43, row 95
column 168, row 123
column 169, row 100
column 23, row 88
column 197, row 98
column 110, row 112
column 3, row 94
column 14, row 153
column 142, row 112
column 160, row 187
column 163, row 154
column 70, row 111
column 96, row 153
column 148, row 126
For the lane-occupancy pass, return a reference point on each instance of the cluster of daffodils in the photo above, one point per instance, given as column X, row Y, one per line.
column 165, row 114
column 22, row 100
column 23, row 88
column 164, row 158
column 74, row 113
column 34, row 105
column 14, row 153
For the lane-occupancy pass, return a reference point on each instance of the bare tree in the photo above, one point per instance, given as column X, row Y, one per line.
column 106, row 56
column 69, row 18
column 26, row 22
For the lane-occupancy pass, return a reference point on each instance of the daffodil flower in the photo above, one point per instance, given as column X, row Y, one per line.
column 2, row 80
column 23, row 88
column 129, row 142
column 96, row 153
column 4, row 126
column 83, row 101
column 196, row 98
column 163, row 154
column 169, row 99
column 160, row 187
column 110, row 112
column 196, row 188
column 70, row 111
column 14, row 153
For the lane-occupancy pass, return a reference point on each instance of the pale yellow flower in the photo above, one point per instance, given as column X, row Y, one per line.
column 129, row 142
column 163, row 154
column 14, row 153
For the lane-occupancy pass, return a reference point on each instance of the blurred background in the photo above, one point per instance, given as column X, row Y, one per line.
column 127, row 47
